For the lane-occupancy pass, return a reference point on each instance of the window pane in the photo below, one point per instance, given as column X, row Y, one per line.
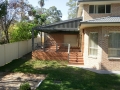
column 114, row 44
column 101, row 8
column 108, row 8
column 91, row 9
column 93, row 43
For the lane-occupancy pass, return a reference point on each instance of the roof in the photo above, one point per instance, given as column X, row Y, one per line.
column 95, row 0
column 81, row 2
column 70, row 25
column 103, row 20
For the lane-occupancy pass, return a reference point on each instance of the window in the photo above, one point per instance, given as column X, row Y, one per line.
column 114, row 44
column 99, row 8
column 91, row 9
column 93, row 44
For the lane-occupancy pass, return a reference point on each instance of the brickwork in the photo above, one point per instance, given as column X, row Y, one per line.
column 59, row 37
column 108, row 64
column 102, row 61
column 92, row 62
column 115, row 11
column 40, row 55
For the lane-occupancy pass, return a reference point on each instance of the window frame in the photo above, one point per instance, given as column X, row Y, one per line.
column 113, row 48
column 92, row 47
column 96, row 9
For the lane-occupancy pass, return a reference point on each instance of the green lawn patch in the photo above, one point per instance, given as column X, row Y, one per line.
column 62, row 77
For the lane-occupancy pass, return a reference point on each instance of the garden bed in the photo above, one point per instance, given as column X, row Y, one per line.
column 12, row 81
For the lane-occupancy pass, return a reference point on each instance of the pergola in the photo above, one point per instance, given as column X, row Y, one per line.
column 69, row 26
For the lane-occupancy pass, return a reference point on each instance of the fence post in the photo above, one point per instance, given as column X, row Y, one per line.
column 68, row 52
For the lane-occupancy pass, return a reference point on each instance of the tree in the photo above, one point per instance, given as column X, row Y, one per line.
column 41, row 3
column 13, row 10
column 53, row 15
column 22, row 31
column 72, row 12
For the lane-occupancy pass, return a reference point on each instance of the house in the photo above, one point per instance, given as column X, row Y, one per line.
column 95, row 34
column 100, row 30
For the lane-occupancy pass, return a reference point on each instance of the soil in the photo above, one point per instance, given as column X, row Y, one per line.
column 12, row 81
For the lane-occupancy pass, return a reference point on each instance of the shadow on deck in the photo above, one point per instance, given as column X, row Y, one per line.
column 61, row 53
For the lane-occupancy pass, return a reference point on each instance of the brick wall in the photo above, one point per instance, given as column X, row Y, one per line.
column 91, row 62
column 102, row 61
column 115, row 11
column 59, row 37
column 107, row 63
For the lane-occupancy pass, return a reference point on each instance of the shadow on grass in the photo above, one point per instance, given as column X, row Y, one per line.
column 61, row 77
column 70, row 78
column 15, row 63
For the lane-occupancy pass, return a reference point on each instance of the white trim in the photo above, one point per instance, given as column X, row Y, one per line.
column 89, row 55
column 83, row 14
column 92, row 56
column 114, row 31
column 116, row 58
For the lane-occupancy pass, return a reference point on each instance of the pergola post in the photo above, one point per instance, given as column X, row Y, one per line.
column 33, row 39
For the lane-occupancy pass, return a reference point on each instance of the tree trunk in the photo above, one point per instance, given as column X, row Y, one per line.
column 6, row 36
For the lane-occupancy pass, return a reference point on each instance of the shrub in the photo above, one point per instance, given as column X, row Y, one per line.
column 25, row 86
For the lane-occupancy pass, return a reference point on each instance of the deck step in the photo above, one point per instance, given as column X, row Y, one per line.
column 76, row 63
column 76, row 58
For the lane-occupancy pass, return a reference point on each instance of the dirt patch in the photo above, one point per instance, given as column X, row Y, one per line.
column 12, row 81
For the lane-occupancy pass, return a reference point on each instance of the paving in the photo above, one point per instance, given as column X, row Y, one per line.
column 12, row 81
column 97, row 71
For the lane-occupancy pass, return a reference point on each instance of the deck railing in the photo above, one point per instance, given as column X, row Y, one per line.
column 54, row 47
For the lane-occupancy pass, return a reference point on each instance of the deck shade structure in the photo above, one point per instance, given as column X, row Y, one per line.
column 69, row 26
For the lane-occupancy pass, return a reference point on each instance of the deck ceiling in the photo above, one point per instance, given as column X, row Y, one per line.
column 63, row 26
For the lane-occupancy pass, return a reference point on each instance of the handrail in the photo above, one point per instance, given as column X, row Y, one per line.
column 68, row 52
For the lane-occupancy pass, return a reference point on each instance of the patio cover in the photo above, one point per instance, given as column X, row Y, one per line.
column 70, row 25
column 63, row 26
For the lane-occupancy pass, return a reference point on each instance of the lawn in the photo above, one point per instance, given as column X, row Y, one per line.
column 61, row 77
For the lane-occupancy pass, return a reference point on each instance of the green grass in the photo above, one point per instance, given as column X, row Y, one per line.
column 68, row 78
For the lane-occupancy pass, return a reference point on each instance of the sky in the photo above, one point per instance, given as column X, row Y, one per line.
column 60, row 4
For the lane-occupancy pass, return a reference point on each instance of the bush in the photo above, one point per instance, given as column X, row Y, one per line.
column 25, row 86
column 22, row 31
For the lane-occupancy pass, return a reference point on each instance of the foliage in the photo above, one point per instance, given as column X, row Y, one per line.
column 40, row 19
column 10, row 12
column 53, row 15
column 25, row 86
column 22, row 31
column 41, row 3
column 2, row 9
column 72, row 12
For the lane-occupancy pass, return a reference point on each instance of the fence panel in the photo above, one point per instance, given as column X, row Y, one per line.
column 11, row 51
column 2, row 55
column 23, row 48
column 29, row 45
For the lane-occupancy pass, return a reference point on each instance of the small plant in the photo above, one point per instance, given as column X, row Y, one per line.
column 25, row 86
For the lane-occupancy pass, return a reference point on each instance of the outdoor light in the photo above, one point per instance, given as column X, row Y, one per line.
column 106, row 35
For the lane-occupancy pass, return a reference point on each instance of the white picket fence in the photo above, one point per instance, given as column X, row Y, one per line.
column 11, row 51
